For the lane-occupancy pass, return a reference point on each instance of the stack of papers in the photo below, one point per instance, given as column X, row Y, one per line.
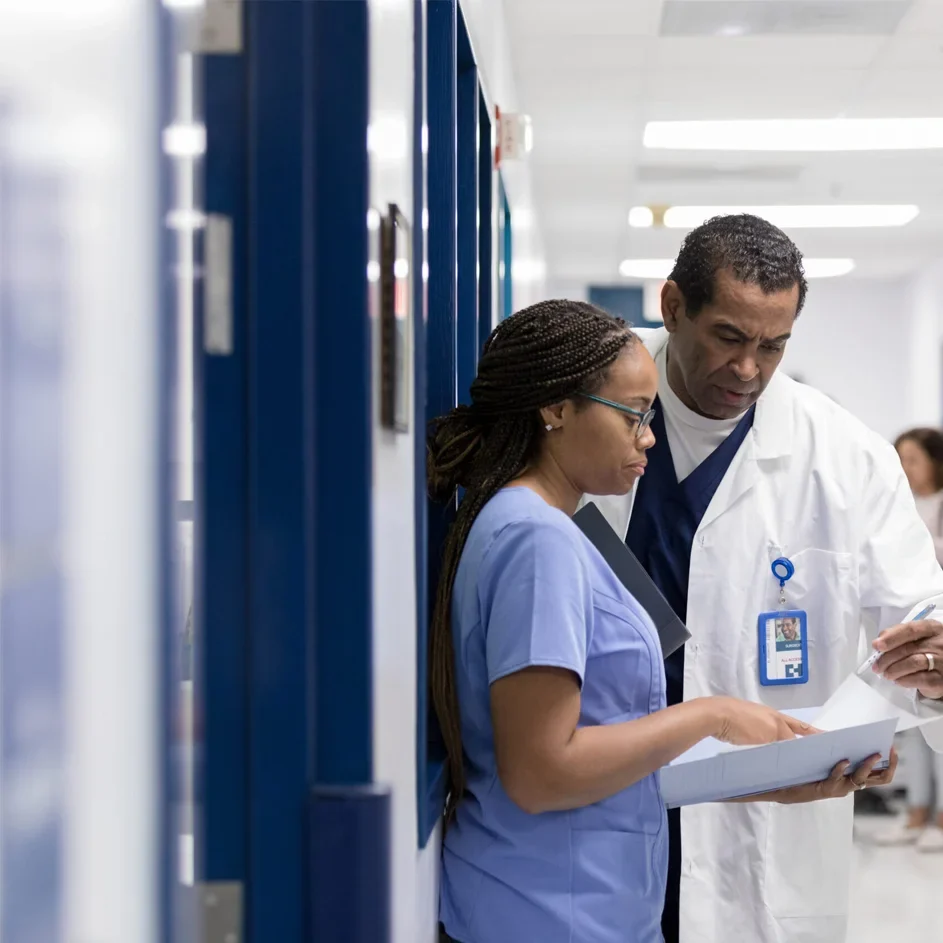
column 858, row 721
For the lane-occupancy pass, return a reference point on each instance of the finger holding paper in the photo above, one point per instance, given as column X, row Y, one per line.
column 841, row 783
column 912, row 656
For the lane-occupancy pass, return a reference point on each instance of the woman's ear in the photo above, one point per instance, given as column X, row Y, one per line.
column 553, row 416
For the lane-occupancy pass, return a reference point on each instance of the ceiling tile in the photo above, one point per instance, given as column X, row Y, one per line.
column 540, row 18
column 926, row 16
column 688, row 95
column 606, row 55
column 784, row 17
column 784, row 55
column 890, row 93
column 591, row 73
column 914, row 52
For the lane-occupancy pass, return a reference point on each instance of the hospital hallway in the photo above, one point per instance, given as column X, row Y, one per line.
column 451, row 453
column 895, row 892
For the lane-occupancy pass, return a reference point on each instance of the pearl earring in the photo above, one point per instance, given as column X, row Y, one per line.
column 548, row 427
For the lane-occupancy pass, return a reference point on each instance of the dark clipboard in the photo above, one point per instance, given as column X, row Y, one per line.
column 671, row 630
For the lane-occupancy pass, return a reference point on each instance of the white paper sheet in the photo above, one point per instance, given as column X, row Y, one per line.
column 858, row 701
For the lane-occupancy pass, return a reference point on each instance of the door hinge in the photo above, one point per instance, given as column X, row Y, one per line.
column 218, row 28
column 220, row 911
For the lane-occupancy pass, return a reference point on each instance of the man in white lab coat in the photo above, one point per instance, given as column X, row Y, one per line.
column 751, row 467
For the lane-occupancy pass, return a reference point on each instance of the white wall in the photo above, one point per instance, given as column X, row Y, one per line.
column 875, row 347
column 926, row 347
column 413, row 891
column 560, row 288
column 852, row 342
column 414, row 876
column 489, row 38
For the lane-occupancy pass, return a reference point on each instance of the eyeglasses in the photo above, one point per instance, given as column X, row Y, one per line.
column 644, row 418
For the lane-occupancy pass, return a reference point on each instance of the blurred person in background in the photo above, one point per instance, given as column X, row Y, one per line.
column 921, row 454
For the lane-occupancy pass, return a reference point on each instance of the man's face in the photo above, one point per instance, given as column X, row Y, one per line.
column 726, row 355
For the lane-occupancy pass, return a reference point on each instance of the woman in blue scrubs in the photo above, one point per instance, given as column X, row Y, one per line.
column 546, row 674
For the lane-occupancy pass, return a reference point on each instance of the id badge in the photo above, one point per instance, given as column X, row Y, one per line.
column 783, row 647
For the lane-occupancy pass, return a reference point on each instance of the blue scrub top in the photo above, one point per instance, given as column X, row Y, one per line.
column 532, row 590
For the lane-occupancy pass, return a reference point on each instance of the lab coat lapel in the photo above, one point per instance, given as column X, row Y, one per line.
column 741, row 478
column 769, row 441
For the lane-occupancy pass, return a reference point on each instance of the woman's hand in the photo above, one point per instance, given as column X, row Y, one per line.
column 745, row 723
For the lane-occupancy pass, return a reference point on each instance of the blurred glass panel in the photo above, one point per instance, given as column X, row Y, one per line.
column 79, row 460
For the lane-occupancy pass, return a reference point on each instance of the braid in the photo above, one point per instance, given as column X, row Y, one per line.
column 542, row 355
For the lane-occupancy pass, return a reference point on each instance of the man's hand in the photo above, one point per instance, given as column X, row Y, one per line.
column 837, row 786
column 913, row 656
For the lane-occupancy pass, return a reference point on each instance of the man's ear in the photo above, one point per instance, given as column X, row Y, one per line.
column 672, row 306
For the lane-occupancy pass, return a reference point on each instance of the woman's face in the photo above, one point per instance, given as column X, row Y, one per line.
column 918, row 467
column 597, row 447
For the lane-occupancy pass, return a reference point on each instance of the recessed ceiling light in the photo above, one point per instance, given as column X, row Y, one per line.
column 660, row 269
column 839, row 134
column 838, row 216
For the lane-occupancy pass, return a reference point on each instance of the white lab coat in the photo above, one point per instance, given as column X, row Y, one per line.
column 812, row 483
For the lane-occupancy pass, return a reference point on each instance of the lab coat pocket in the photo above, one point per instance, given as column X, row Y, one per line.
column 808, row 858
column 825, row 585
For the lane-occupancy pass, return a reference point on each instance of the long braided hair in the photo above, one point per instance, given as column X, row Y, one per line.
column 542, row 355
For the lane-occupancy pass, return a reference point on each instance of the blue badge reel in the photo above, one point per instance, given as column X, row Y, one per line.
column 783, row 636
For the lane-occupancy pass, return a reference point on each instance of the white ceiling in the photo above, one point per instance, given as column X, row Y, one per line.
column 591, row 73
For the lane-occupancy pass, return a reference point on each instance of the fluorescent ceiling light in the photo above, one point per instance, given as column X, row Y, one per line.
column 660, row 269
column 185, row 140
column 522, row 218
column 641, row 217
column 185, row 219
column 656, row 269
column 387, row 138
column 528, row 270
column 838, row 216
column 841, row 134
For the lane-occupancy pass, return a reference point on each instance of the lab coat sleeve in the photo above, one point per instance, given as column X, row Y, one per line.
column 898, row 573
